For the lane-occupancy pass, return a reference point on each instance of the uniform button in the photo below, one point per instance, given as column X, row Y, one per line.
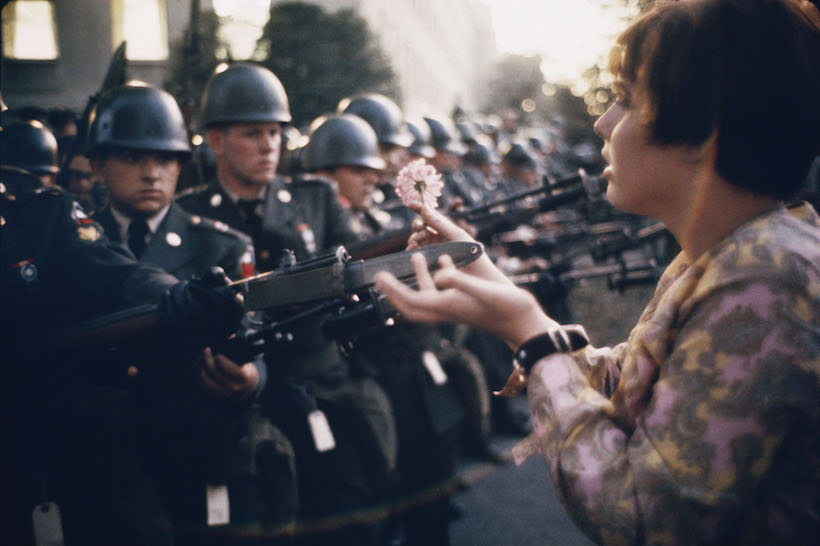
column 132, row 371
column 173, row 239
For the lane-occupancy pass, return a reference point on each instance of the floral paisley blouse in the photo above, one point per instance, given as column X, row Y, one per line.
column 704, row 427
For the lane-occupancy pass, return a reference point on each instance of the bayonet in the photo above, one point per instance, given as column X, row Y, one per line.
column 115, row 76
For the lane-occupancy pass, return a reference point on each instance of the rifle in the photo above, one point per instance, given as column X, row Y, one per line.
column 552, row 284
column 114, row 77
column 332, row 285
column 574, row 187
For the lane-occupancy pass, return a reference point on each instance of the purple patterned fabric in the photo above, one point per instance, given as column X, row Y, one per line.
column 705, row 425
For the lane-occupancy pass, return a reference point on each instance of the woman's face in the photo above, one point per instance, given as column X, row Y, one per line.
column 644, row 178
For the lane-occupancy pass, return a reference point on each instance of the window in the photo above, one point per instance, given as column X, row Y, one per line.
column 141, row 23
column 29, row 30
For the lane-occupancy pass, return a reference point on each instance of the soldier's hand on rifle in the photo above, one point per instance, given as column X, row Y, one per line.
column 434, row 227
column 202, row 311
column 222, row 378
column 452, row 295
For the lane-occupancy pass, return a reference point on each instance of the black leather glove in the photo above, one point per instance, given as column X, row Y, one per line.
column 201, row 311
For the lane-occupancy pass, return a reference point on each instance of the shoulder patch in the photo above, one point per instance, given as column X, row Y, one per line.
column 89, row 232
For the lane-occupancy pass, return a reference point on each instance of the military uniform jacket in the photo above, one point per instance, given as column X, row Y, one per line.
column 186, row 245
column 58, row 267
column 302, row 215
column 65, row 420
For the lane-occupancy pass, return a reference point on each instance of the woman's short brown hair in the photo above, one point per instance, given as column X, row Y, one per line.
column 747, row 70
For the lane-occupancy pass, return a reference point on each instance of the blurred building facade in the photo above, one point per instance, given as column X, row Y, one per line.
column 441, row 50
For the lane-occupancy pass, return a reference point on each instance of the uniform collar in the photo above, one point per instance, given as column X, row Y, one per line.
column 124, row 221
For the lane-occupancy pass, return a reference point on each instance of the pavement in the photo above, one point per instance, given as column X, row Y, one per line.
column 511, row 506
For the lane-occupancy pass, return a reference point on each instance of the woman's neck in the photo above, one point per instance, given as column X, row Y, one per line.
column 715, row 209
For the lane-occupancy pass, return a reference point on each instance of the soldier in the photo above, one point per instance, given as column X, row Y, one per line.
column 420, row 147
column 425, row 400
column 449, row 161
column 481, row 166
column 344, row 148
column 69, row 469
column 385, row 117
column 30, row 146
column 137, row 143
column 341, row 456
column 243, row 109
column 89, row 192
column 519, row 167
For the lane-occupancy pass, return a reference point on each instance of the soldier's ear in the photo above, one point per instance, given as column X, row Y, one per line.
column 97, row 163
column 216, row 139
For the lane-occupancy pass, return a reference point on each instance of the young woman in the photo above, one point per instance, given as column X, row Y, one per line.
column 704, row 426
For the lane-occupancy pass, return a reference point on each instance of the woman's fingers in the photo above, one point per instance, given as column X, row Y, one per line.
column 412, row 304
column 423, row 278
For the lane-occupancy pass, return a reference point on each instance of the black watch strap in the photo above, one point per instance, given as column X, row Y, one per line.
column 566, row 339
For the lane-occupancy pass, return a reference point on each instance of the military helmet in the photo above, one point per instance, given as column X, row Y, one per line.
column 342, row 139
column 520, row 156
column 383, row 115
column 243, row 93
column 30, row 146
column 421, row 138
column 445, row 137
column 138, row 117
column 482, row 152
column 467, row 130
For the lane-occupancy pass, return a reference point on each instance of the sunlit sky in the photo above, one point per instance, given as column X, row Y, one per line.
column 570, row 35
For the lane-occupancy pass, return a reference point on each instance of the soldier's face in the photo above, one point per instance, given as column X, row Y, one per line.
column 396, row 157
column 356, row 184
column 140, row 183
column 81, row 179
column 247, row 153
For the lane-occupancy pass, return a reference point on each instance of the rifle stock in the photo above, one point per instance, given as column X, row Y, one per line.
column 131, row 326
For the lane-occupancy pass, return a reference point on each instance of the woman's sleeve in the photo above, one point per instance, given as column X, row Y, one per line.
column 680, row 468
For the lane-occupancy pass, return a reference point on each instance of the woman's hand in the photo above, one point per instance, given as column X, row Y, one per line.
column 433, row 227
column 487, row 303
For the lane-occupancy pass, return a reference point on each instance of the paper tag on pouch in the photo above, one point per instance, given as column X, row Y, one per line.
column 320, row 428
column 431, row 362
column 48, row 529
column 218, row 507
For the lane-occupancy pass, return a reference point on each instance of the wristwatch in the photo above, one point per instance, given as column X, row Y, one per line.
column 566, row 339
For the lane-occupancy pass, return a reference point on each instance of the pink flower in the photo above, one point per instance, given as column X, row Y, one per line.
column 420, row 183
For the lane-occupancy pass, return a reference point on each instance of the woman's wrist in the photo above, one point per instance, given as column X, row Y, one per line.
column 533, row 322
